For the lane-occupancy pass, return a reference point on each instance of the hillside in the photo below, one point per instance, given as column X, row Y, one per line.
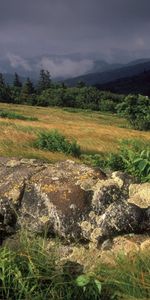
column 95, row 132
column 139, row 84
column 104, row 77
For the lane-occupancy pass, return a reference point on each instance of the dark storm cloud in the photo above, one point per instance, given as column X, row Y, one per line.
column 114, row 29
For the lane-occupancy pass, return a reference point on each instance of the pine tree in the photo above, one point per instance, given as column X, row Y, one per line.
column 44, row 81
column 5, row 95
column 28, row 87
column 17, row 82
column 2, row 81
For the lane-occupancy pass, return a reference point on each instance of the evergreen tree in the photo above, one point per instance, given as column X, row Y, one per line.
column 28, row 87
column 44, row 81
column 5, row 95
column 17, row 82
column 2, row 81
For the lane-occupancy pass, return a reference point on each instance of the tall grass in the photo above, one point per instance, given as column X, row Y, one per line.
column 129, row 276
column 31, row 270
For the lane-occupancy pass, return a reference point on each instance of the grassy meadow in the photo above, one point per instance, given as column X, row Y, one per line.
column 33, row 271
column 95, row 132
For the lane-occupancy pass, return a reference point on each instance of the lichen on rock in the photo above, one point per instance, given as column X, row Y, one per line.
column 71, row 200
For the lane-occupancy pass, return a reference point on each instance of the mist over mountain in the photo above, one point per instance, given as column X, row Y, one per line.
column 70, row 68
column 130, row 69
column 59, row 66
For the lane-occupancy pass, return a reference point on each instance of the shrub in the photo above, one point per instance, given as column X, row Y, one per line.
column 55, row 141
column 132, row 159
column 137, row 110
column 107, row 105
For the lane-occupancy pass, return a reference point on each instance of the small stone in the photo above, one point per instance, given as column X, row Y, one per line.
column 13, row 163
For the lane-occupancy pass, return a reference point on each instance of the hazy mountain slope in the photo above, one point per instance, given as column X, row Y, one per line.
column 101, row 78
column 139, row 84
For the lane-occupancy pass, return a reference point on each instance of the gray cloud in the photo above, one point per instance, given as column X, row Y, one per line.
column 111, row 29
column 66, row 67
column 17, row 61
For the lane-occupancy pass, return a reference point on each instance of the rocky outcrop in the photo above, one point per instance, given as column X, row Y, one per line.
column 71, row 200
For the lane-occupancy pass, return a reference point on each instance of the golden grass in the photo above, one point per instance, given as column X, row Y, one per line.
column 95, row 132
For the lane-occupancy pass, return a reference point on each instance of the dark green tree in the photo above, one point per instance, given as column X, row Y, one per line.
column 17, row 82
column 5, row 95
column 28, row 87
column 44, row 81
column 2, row 81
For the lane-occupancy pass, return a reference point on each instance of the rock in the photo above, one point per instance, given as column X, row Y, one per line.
column 139, row 195
column 119, row 218
column 13, row 176
column 123, row 180
column 8, row 219
column 73, row 201
column 59, row 202
column 105, row 193
column 125, row 245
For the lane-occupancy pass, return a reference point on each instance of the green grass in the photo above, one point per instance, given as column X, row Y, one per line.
column 95, row 132
column 128, row 277
column 31, row 270
column 13, row 115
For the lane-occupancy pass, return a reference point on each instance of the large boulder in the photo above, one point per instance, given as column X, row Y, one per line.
column 55, row 200
column 71, row 200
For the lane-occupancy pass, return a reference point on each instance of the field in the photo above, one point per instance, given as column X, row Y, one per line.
column 94, row 131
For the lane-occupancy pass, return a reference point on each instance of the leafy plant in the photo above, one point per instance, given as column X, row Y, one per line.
column 132, row 159
column 55, row 141
column 91, row 286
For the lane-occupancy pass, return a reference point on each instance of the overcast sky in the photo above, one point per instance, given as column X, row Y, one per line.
column 118, row 30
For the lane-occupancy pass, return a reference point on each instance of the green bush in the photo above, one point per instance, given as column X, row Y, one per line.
column 107, row 105
column 13, row 115
column 132, row 159
column 137, row 110
column 55, row 141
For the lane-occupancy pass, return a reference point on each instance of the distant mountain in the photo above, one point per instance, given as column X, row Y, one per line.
column 100, row 66
column 139, row 84
column 107, row 76
column 75, row 66
column 60, row 66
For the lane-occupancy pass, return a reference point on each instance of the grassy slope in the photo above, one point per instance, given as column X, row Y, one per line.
column 95, row 132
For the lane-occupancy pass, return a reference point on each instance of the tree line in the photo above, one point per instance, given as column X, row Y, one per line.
column 136, row 108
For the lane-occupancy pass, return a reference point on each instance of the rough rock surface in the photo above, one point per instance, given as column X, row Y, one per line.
column 73, row 201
